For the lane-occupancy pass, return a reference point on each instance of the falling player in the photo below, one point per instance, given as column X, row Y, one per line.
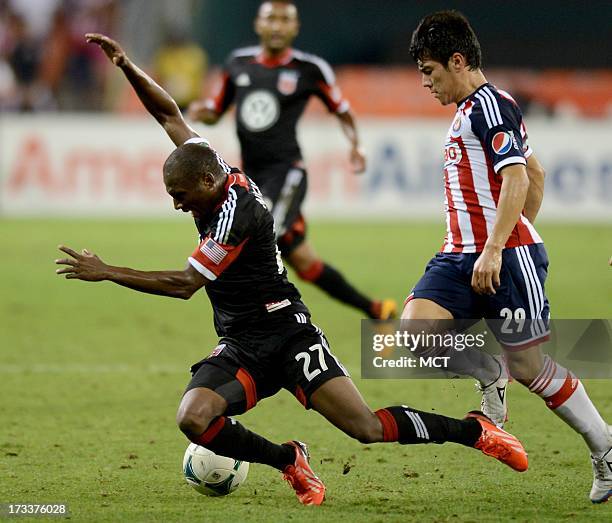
column 493, row 263
column 267, row 339
column 271, row 85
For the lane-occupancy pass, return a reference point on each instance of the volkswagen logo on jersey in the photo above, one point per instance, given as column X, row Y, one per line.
column 287, row 82
column 259, row 110
column 502, row 142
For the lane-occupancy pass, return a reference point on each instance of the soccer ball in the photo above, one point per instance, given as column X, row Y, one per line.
column 210, row 474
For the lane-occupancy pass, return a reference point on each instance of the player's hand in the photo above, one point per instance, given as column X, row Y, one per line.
column 85, row 266
column 111, row 48
column 196, row 110
column 358, row 160
column 485, row 276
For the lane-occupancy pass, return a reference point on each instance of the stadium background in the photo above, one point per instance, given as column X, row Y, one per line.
column 90, row 375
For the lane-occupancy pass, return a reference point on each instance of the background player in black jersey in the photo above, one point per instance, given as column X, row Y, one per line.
column 267, row 340
column 271, row 85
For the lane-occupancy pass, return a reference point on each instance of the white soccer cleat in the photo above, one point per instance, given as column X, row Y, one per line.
column 601, row 491
column 493, row 403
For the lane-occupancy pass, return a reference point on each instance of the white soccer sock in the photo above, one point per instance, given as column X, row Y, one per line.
column 565, row 395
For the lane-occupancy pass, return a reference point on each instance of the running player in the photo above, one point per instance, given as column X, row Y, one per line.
column 267, row 339
column 493, row 263
column 271, row 85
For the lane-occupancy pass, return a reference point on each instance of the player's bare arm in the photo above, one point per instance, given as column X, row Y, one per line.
column 535, row 194
column 157, row 101
column 357, row 156
column 514, row 188
column 89, row 267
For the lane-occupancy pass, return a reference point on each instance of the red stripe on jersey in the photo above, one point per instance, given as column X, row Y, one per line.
column 333, row 96
column 218, row 97
column 520, row 235
column 452, row 212
column 236, row 178
column 217, row 269
column 470, row 197
column 495, row 181
column 275, row 61
column 250, row 389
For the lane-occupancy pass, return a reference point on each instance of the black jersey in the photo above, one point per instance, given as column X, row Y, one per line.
column 238, row 254
column 270, row 96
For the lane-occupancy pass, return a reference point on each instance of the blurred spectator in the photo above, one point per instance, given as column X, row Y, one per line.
column 36, row 14
column 180, row 66
column 44, row 60
column 22, row 52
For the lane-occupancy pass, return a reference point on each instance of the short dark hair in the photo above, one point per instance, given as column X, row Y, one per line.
column 193, row 159
column 443, row 33
column 290, row 2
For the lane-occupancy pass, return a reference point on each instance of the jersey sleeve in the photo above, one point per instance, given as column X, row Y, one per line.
column 527, row 150
column 223, row 92
column 230, row 231
column 326, row 88
column 498, row 123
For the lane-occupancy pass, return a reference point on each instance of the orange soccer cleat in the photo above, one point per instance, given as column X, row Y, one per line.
column 309, row 489
column 499, row 444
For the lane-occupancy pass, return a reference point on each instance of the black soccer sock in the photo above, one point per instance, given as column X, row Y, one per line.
column 226, row 437
column 333, row 283
column 409, row 426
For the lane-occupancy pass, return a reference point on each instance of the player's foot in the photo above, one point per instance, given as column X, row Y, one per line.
column 499, row 444
column 309, row 489
column 383, row 309
column 601, row 491
column 493, row 403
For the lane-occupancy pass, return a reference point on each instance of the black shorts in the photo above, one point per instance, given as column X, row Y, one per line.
column 284, row 189
column 291, row 354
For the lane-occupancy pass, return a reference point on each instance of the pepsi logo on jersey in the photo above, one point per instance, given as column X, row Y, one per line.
column 503, row 141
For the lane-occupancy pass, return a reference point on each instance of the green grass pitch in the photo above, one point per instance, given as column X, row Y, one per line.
column 91, row 375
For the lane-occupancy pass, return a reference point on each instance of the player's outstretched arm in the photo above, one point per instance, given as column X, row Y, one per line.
column 357, row 156
column 157, row 101
column 89, row 267
column 535, row 194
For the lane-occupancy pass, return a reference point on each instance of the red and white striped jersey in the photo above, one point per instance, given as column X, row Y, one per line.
column 487, row 134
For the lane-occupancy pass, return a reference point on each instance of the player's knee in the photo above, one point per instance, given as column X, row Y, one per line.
column 195, row 419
